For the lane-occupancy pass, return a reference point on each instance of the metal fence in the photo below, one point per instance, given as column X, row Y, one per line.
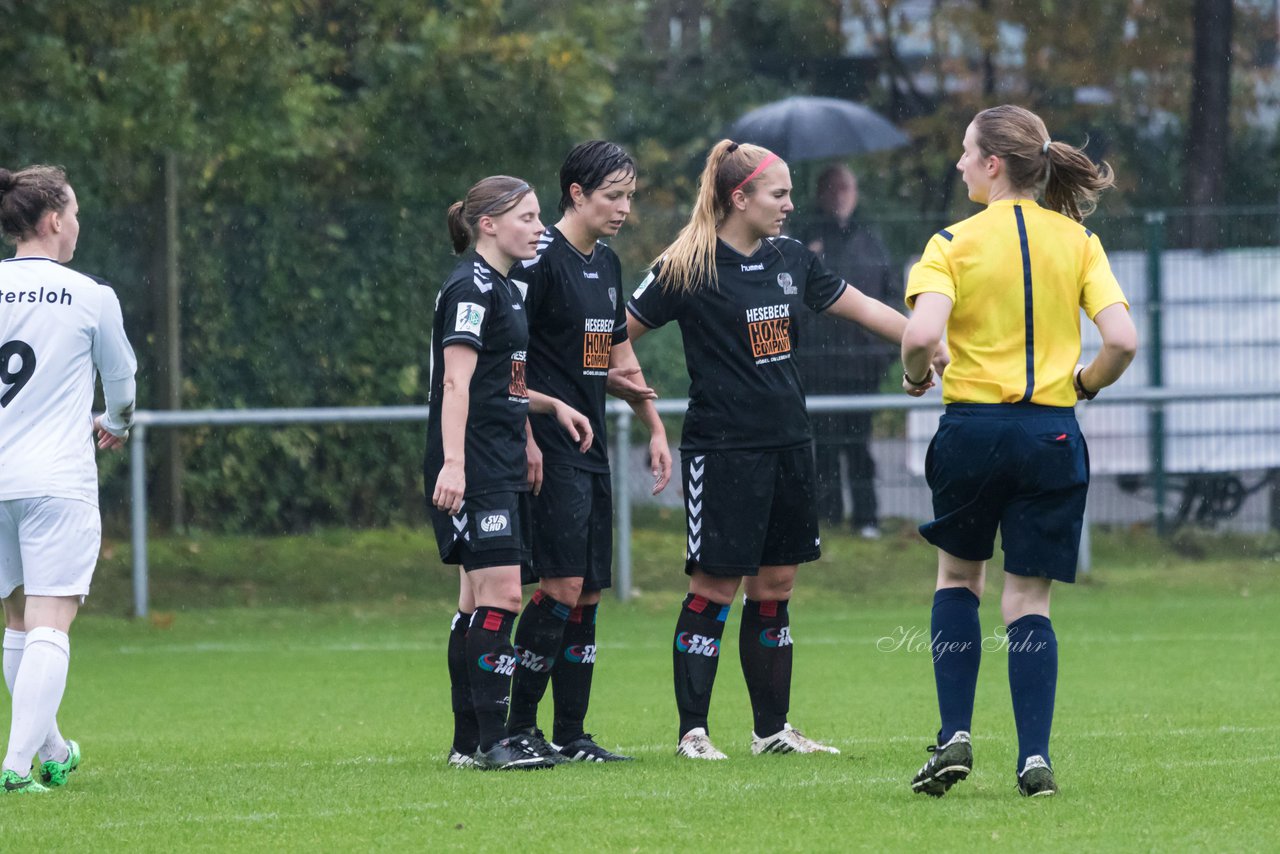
column 901, row 480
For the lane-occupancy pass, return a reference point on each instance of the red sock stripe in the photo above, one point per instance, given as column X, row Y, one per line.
column 538, row 596
column 492, row 621
column 698, row 604
column 769, row 609
column 575, row 614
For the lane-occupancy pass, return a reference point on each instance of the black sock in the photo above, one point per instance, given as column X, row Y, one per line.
column 696, row 652
column 490, row 662
column 764, row 645
column 538, row 637
column 466, row 733
column 571, row 680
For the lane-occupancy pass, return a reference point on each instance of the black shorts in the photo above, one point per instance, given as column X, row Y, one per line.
column 748, row 509
column 573, row 527
column 489, row 530
column 1021, row 468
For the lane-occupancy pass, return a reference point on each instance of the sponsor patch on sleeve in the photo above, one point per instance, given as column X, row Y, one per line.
column 644, row 286
column 470, row 318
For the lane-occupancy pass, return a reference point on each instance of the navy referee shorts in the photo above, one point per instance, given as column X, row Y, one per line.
column 1019, row 468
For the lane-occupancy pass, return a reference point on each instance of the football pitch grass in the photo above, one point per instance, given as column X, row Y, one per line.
column 325, row 726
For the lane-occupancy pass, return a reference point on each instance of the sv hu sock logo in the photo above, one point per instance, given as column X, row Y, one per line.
column 503, row 665
column 696, row 644
column 776, row 637
column 581, row 654
column 531, row 661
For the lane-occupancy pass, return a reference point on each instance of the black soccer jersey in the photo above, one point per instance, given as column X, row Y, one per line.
column 744, row 391
column 479, row 307
column 576, row 315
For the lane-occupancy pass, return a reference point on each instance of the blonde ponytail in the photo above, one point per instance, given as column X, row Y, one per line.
column 689, row 262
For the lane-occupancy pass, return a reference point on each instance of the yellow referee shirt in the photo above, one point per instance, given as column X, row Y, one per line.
column 1017, row 275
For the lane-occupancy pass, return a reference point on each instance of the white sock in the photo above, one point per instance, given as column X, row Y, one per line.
column 37, row 692
column 55, row 746
column 13, row 644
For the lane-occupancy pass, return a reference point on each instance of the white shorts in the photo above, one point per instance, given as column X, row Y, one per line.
column 48, row 546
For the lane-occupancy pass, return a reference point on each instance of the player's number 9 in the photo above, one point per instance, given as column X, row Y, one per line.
column 15, row 379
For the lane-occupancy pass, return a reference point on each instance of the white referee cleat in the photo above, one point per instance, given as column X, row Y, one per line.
column 696, row 745
column 788, row 740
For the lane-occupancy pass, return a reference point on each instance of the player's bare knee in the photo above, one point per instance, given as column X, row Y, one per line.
column 564, row 590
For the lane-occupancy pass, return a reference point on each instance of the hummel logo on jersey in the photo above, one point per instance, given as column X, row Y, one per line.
column 503, row 665
column 590, row 274
column 535, row 663
column 776, row 637
column 696, row 644
column 470, row 318
column 784, row 282
column 581, row 654
column 753, row 268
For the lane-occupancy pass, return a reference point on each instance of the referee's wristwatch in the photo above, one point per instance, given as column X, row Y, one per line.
column 906, row 378
column 1084, row 392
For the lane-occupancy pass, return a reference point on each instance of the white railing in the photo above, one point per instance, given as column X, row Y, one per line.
column 146, row 420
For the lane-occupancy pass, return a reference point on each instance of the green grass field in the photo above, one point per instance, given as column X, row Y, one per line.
column 280, row 699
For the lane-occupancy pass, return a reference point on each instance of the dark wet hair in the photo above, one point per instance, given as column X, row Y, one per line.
column 589, row 166
column 26, row 195
column 492, row 196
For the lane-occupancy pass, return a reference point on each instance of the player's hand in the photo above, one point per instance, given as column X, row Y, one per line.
column 660, row 460
column 108, row 441
column 533, row 454
column 575, row 424
column 451, row 483
column 941, row 358
column 620, row 385
column 917, row 390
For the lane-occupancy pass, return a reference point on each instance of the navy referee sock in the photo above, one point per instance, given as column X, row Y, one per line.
column 1033, row 682
column 957, row 652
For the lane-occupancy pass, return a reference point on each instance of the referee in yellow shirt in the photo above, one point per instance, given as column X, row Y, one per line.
column 1007, row 286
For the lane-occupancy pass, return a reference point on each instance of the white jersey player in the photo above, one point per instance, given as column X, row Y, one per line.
column 59, row 330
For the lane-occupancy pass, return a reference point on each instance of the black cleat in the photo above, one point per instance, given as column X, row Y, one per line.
column 949, row 764
column 1036, row 779
column 541, row 746
column 584, row 749
column 512, row 753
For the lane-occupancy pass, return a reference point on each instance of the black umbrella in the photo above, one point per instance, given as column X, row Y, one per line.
column 804, row 127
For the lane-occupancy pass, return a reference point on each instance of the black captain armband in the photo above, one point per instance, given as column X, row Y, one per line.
column 1084, row 392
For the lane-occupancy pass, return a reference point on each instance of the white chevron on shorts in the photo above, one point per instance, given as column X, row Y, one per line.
column 694, row 506
column 460, row 531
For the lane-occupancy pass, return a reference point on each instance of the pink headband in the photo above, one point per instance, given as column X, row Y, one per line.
column 764, row 164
